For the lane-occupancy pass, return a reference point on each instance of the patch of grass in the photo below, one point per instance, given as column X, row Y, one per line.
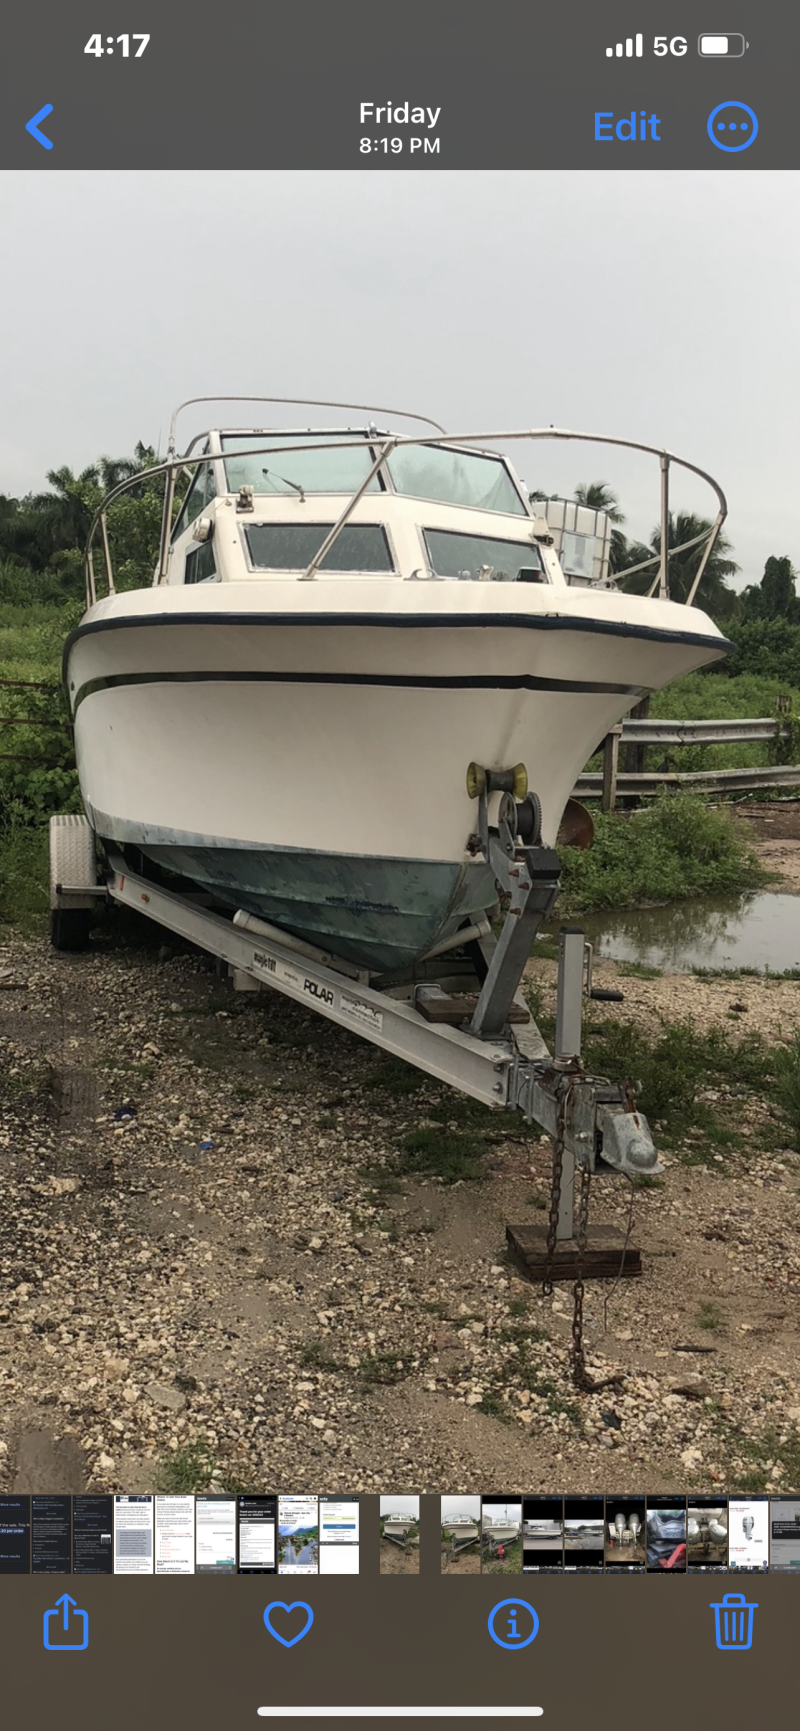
column 524, row 1366
column 556, row 1401
column 787, row 1084
column 523, row 1339
column 188, row 1469
column 381, row 1370
column 710, row 1315
column 492, row 1405
column 638, row 971
column 675, row 1072
column 382, row 1182
column 509, row 1564
column 450, row 1155
column 774, row 1445
column 316, row 1355
column 676, row 848
column 393, row 1077
column 727, row 973
column 327, row 1122
column 532, row 993
column 24, row 894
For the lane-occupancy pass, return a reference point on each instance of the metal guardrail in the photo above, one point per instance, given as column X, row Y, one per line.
column 699, row 781
column 643, row 731
column 714, row 732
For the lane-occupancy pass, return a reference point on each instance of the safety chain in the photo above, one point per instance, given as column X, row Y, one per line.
column 583, row 1381
column 565, row 1085
column 578, row 1357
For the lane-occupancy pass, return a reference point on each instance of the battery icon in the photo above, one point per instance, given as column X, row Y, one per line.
column 729, row 47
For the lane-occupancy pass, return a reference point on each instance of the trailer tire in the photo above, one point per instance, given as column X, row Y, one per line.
column 70, row 928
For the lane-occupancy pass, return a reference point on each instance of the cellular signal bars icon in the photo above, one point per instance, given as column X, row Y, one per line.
column 626, row 49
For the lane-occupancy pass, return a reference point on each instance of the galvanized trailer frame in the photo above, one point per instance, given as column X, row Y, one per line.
column 456, row 1545
column 497, row 1055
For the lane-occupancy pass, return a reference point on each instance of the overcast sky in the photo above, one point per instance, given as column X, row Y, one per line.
column 400, row 1506
column 496, row 1510
column 461, row 1506
column 653, row 306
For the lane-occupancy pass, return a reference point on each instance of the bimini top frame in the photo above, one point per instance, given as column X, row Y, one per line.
column 384, row 444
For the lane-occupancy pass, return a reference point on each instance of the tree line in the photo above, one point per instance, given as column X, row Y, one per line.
column 773, row 597
column 42, row 537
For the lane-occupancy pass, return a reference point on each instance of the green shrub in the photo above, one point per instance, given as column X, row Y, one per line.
column 24, row 891
column 787, row 1084
column 678, row 1067
column 675, row 848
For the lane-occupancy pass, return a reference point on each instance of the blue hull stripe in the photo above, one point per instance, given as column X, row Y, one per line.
column 418, row 682
column 411, row 622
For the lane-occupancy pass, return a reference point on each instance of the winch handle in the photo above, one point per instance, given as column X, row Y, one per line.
column 600, row 997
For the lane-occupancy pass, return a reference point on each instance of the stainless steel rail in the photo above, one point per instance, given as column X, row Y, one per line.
column 171, row 467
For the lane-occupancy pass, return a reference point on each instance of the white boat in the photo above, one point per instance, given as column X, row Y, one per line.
column 341, row 623
column 502, row 1531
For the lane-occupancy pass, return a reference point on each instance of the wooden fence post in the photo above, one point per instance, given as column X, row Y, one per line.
column 611, row 767
column 633, row 756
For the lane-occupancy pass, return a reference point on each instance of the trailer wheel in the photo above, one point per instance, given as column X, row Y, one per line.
column 70, row 928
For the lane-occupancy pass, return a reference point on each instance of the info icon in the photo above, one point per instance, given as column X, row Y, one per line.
column 513, row 1624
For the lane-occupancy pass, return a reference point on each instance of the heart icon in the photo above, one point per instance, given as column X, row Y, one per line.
column 278, row 1605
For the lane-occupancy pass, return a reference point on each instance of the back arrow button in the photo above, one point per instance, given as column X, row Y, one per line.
column 32, row 126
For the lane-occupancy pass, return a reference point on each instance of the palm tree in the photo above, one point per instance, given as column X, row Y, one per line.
column 67, row 511
column 599, row 497
column 714, row 592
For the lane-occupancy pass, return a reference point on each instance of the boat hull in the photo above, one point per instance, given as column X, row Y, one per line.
column 310, row 766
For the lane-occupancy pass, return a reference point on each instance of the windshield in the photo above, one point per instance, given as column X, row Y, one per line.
column 315, row 471
column 292, row 546
column 466, row 555
column 454, row 478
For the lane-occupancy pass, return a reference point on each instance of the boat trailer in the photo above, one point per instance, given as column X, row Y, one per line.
column 401, row 1537
column 459, row 1541
column 482, row 1041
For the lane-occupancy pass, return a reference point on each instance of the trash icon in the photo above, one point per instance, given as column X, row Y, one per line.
column 734, row 1623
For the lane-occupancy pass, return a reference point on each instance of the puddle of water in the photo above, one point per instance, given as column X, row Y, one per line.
column 752, row 931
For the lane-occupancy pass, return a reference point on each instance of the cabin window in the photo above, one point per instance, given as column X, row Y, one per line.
column 201, row 564
column 454, row 478
column 200, row 494
column 292, row 546
column 453, row 555
column 336, row 470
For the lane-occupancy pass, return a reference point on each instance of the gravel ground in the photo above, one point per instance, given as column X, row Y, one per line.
column 394, row 1561
column 193, row 1254
column 776, row 826
column 469, row 1563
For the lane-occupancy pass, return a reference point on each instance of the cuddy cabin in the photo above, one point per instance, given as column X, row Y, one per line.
column 426, row 512
column 343, row 625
